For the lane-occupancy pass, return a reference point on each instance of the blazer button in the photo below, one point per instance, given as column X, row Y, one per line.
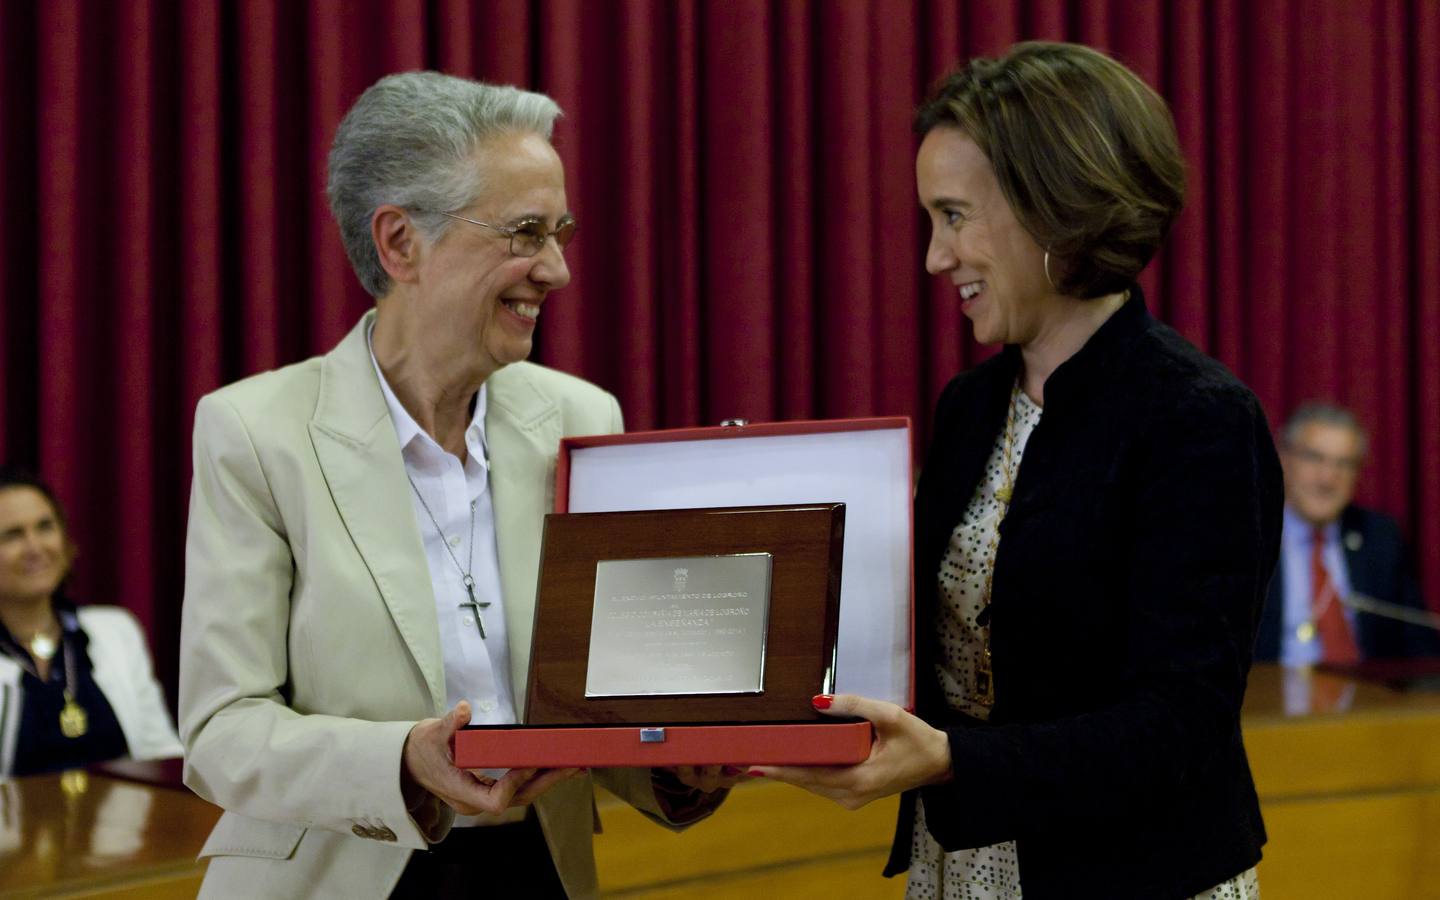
column 385, row 834
column 364, row 831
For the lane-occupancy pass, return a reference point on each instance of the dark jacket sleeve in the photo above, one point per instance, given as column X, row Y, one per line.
column 1199, row 508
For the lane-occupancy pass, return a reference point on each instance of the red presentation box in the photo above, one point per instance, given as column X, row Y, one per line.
column 864, row 464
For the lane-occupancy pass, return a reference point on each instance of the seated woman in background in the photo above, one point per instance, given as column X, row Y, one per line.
column 76, row 685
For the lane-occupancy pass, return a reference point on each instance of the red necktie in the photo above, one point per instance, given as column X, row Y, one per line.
column 1337, row 645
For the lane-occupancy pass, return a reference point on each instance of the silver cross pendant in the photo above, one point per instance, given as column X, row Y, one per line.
column 475, row 605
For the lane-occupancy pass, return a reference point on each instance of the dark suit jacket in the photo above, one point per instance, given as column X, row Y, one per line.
column 1130, row 574
column 1379, row 566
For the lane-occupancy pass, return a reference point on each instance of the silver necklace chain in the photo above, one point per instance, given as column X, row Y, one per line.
column 464, row 572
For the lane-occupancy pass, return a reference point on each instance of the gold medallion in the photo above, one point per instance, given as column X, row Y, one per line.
column 984, row 692
column 1306, row 632
column 73, row 721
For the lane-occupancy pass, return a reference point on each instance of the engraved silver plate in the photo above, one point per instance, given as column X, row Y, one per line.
column 678, row 626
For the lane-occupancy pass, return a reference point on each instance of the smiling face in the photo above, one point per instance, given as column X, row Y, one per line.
column 1321, row 462
column 976, row 240
column 34, row 552
column 476, row 298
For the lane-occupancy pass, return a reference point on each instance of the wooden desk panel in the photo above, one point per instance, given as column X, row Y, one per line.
column 1371, row 847
column 90, row 835
column 1348, row 775
column 1349, row 781
column 769, row 839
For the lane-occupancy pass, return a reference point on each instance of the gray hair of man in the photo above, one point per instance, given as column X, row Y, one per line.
column 1313, row 411
column 409, row 141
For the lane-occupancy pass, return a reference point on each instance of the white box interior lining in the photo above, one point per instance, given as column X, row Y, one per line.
column 868, row 471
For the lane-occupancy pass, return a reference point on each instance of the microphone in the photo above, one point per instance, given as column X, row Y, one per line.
column 1386, row 610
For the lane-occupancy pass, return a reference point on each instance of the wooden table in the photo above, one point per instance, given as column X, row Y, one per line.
column 102, row 834
column 1349, row 780
column 768, row 840
column 1348, row 775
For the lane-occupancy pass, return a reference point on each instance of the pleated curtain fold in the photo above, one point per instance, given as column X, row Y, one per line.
column 750, row 243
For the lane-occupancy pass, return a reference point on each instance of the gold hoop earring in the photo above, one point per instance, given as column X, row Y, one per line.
column 1047, row 270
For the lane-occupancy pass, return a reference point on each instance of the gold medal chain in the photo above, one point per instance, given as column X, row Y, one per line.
column 984, row 674
column 74, row 721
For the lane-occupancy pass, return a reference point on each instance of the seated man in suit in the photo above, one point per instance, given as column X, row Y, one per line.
column 1335, row 555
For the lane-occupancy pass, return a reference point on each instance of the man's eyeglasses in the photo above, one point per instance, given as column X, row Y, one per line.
column 528, row 238
column 1316, row 458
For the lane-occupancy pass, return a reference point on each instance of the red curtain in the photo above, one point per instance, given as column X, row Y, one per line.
column 750, row 242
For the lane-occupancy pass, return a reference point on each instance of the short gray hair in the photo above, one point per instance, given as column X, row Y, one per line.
column 408, row 141
column 1316, row 412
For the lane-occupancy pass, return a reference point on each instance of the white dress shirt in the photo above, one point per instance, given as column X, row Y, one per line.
column 476, row 669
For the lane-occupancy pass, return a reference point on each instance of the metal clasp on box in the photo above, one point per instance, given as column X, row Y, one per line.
column 652, row 735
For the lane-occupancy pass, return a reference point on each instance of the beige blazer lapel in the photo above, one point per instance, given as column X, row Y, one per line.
column 523, row 429
column 359, row 455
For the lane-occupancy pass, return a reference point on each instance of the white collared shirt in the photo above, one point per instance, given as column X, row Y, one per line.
column 476, row 669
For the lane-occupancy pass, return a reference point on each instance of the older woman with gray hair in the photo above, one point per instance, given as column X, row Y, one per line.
column 365, row 532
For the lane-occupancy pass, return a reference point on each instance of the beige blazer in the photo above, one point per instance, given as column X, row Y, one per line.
column 309, row 640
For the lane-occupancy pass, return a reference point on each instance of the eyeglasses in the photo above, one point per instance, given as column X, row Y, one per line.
column 1316, row 458
column 528, row 238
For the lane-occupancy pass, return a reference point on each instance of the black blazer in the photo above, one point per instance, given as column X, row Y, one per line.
column 1128, row 582
column 1379, row 566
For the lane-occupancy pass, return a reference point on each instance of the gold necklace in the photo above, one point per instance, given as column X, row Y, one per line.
column 74, row 721
column 984, row 692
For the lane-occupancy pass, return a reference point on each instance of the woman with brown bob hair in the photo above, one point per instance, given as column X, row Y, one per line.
column 76, row 683
column 1096, row 522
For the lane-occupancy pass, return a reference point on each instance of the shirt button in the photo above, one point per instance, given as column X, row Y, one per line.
column 455, row 541
column 467, row 621
column 487, row 706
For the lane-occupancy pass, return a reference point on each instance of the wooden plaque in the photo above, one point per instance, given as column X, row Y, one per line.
column 805, row 544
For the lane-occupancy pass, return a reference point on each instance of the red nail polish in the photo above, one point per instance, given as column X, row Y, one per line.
column 822, row 701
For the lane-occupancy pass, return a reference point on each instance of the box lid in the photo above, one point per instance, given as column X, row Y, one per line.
column 863, row 463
